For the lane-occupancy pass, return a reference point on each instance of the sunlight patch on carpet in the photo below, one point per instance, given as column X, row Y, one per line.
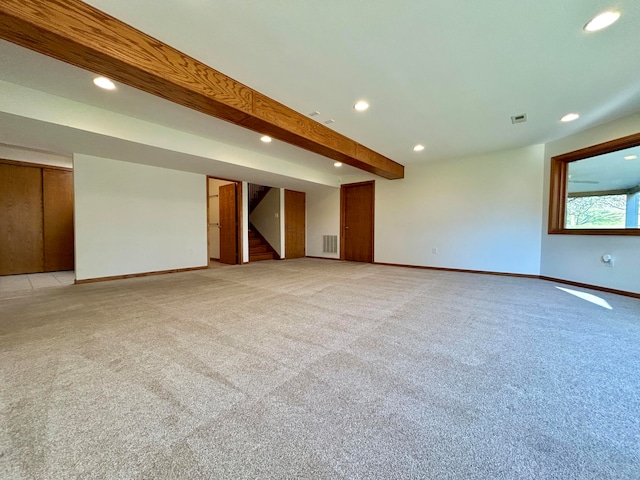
column 601, row 302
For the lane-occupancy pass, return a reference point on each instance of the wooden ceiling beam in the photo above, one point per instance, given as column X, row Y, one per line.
column 77, row 33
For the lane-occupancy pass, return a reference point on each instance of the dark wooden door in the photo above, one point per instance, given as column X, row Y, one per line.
column 228, row 223
column 57, row 188
column 357, row 209
column 21, row 238
column 294, row 224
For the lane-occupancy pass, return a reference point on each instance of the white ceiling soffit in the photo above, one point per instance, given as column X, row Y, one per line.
column 66, row 96
column 55, row 137
column 34, row 119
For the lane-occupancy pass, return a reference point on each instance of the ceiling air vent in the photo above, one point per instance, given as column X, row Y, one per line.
column 519, row 118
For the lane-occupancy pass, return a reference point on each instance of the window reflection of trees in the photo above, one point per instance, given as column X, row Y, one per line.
column 606, row 211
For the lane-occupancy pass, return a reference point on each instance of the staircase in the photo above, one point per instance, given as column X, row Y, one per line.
column 256, row 194
column 259, row 249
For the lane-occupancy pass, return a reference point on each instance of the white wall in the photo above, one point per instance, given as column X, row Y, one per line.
column 480, row 213
column 132, row 218
column 323, row 218
column 577, row 257
column 266, row 218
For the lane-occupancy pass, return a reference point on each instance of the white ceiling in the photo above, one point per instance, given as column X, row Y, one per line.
column 445, row 74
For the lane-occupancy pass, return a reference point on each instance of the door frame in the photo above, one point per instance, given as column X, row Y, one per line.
column 343, row 214
column 42, row 167
column 239, row 210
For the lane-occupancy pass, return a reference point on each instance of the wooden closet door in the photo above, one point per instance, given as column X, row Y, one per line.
column 58, row 220
column 21, row 238
column 228, row 224
column 357, row 214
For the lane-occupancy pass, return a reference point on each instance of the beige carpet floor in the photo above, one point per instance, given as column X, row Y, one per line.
column 318, row 369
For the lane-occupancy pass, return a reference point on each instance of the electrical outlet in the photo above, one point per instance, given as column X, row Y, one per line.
column 434, row 250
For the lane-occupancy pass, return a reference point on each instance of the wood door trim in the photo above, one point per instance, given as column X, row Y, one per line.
column 239, row 216
column 18, row 163
column 208, row 217
column 373, row 221
column 358, row 184
column 239, row 226
column 77, row 33
column 342, row 220
column 373, row 218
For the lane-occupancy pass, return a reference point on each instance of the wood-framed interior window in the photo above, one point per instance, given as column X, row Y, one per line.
column 596, row 190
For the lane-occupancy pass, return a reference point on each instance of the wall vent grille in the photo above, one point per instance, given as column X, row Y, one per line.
column 329, row 244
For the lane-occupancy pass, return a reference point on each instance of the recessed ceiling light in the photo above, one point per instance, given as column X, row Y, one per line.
column 418, row 148
column 570, row 117
column 361, row 105
column 104, row 82
column 631, row 157
column 337, row 164
column 265, row 138
column 601, row 21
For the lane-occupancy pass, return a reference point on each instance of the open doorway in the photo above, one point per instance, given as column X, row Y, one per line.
column 224, row 221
